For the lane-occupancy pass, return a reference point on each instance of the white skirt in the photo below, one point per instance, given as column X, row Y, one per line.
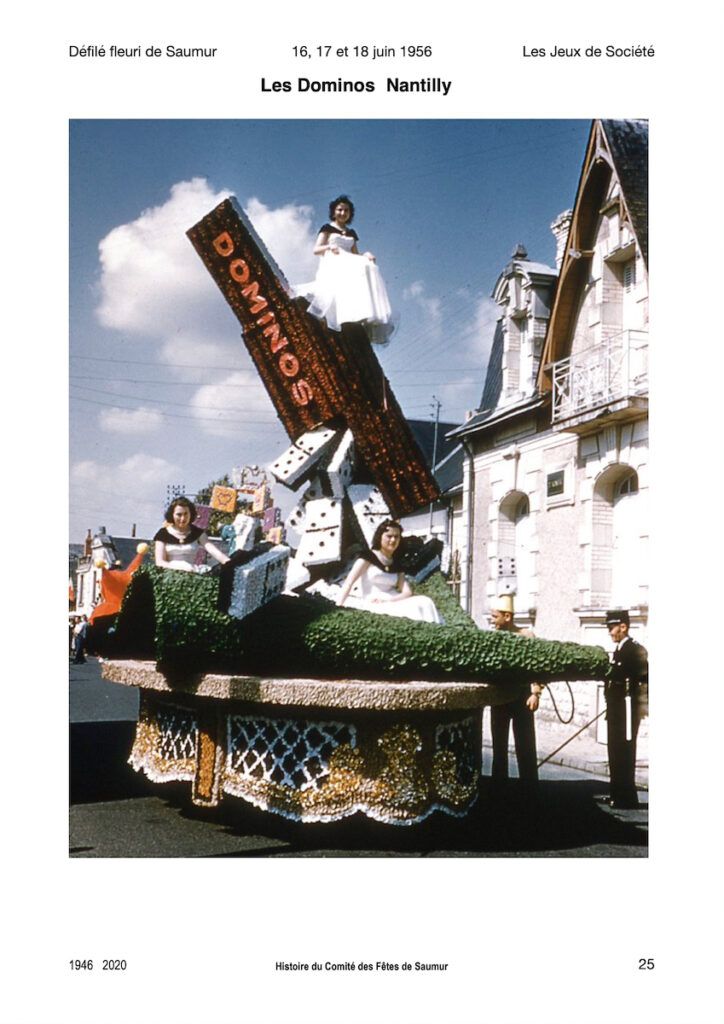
column 349, row 289
column 418, row 607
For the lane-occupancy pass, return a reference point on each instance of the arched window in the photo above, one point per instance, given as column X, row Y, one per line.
column 618, row 564
column 629, row 484
column 521, row 509
column 515, row 557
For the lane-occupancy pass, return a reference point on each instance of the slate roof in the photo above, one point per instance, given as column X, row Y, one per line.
column 487, row 417
column 449, row 456
column 530, row 268
column 629, row 145
column 494, row 374
column 424, row 433
column 75, row 553
column 449, row 474
column 125, row 547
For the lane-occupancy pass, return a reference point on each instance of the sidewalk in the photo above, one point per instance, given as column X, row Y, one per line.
column 587, row 755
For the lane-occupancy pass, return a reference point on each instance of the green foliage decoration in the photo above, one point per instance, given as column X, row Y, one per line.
column 439, row 590
column 171, row 617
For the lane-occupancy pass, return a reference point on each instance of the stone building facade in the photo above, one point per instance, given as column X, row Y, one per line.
column 555, row 481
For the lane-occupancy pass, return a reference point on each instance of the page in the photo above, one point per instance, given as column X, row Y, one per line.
column 412, row 244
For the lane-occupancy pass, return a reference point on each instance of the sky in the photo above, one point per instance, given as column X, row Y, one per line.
column 162, row 390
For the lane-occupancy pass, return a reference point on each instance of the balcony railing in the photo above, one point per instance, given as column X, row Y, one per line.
column 606, row 373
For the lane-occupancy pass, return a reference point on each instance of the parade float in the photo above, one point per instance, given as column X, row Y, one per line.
column 253, row 683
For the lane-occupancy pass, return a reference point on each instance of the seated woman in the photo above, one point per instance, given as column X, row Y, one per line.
column 178, row 541
column 348, row 287
column 382, row 587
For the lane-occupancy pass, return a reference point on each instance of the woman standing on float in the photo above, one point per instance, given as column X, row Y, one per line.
column 348, row 287
column 382, row 587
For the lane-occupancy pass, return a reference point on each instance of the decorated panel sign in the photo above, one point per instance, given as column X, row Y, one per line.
column 313, row 376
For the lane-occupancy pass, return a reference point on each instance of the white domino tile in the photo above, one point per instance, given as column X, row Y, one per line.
column 297, row 517
column 340, row 468
column 297, row 461
column 369, row 508
column 297, row 575
column 319, row 546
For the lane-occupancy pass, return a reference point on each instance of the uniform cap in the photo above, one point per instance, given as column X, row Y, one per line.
column 617, row 617
column 503, row 603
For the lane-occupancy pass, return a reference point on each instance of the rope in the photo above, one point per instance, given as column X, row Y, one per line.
column 563, row 721
column 577, row 733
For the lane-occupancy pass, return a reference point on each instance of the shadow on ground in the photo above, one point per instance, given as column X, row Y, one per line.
column 117, row 812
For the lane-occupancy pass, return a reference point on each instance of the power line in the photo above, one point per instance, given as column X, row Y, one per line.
column 151, row 362
column 179, row 416
column 168, row 383
column 157, row 401
column 259, row 384
column 200, row 366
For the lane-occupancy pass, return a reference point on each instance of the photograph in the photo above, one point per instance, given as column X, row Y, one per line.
column 327, row 341
column 397, row 390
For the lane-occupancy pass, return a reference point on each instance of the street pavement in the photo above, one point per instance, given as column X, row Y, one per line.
column 116, row 812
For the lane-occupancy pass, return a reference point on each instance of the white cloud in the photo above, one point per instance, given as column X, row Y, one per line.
column 132, row 491
column 130, row 421
column 289, row 235
column 430, row 305
column 186, row 350
column 478, row 334
column 476, row 338
column 152, row 281
column 225, row 408
column 154, row 285
column 449, row 361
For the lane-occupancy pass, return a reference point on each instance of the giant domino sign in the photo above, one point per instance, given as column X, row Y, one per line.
column 313, row 376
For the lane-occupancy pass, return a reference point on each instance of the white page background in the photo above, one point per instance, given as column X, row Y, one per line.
column 555, row 941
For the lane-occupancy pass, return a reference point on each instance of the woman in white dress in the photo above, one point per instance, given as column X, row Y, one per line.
column 178, row 541
column 381, row 587
column 348, row 287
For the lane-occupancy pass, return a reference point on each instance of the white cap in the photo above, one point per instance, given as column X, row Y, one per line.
column 503, row 603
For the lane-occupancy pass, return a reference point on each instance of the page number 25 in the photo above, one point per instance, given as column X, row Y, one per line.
column 646, row 965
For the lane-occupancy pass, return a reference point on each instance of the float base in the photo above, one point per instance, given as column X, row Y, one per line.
column 312, row 750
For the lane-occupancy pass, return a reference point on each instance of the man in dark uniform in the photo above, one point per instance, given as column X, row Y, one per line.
column 519, row 712
column 630, row 670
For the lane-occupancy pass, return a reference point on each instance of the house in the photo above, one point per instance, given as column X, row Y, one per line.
column 443, row 517
column 555, row 474
column 100, row 550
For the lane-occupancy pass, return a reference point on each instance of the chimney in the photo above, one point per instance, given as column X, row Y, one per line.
column 133, row 530
column 560, row 228
column 88, row 544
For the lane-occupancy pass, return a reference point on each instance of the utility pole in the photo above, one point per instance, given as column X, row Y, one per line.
column 436, row 403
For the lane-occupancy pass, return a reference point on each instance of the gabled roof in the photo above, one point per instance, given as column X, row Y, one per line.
column 629, row 145
column 617, row 148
